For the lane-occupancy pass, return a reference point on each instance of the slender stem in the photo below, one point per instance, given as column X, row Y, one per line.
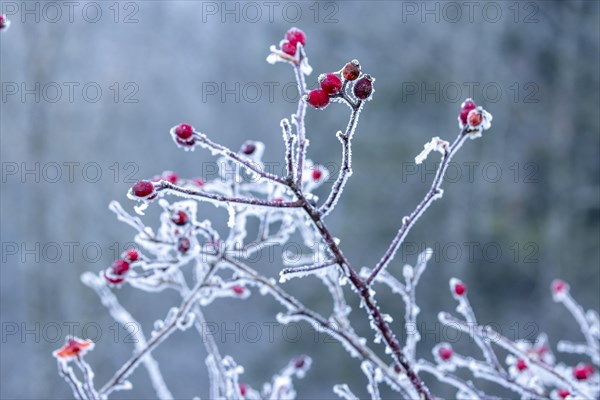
column 299, row 119
column 204, row 196
column 289, row 148
column 204, row 141
column 408, row 222
column 346, row 170
column 161, row 335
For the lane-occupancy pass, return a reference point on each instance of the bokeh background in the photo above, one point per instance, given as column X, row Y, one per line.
column 522, row 206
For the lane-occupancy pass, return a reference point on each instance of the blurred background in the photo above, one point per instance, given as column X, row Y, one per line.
column 90, row 90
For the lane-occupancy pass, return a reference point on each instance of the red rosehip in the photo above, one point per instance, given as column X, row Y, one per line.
column 184, row 131
column 237, row 289
column 318, row 98
column 445, row 353
column 143, row 188
column 521, row 364
column 467, row 106
column 295, row 36
column 243, row 389
column 559, row 286
column 330, row 83
column 351, row 70
column 316, row 174
column 460, row 288
column 363, row 87
column 583, row 371
column 113, row 280
column 183, row 244
column 198, row 181
column 170, row 177
column 248, row 147
column 474, row 118
column 132, row 254
column 563, row 393
column 120, row 267
column 288, row 48
column 299, row 362
column 180, row 218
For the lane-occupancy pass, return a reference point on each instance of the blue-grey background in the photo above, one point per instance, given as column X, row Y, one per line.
column 524, row 198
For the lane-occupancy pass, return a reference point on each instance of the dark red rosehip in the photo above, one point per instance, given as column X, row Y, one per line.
column 330, row 83
column 183, row 245
column 299, row 362
column 180, row 218
column 474, row 118
column 563, row 393
column 113, row 280
column 120, row 267
column 288, row 48
column 182, row 142
column 248, row 148
column 521, row 364
column 363, row 87
column 445, row 352
column 132, row 255
column 184, row 131
column 237, row 289
column 318, row 98
column 583, row 371
column 467, row 106
column 143, row 188
column 316, row 174
column 243, row 389
column 460, row 288
column 295, row 36
column 351, row 70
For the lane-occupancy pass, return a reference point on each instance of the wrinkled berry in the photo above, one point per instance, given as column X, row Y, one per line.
column 318, row 98
column 330, row 83
column 248, row 148
column 295, row 36
column 351, row 70
column 143, row 188
column 183, row 244
column 363, row 87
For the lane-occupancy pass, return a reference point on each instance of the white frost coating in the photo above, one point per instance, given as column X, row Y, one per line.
column 344, row 392
column 436, row 144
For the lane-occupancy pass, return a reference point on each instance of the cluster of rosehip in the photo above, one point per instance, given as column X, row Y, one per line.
column 473, row 118
column 332, row 86
column 293, row 37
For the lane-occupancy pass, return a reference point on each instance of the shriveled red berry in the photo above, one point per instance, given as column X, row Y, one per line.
column 183, row 244
column 295, row 36
column 563, row 393
column 132, row 255
column 288, row 48
column 143, row 188
column 521, row 364
column 363, row 87
column 330, row 83
column 474, row 118
column 316, row 174
column 237, row 289
column 351, row 70
column 460, row 288
column 184, row 131
column 248, row 147
column 559, row 286
column 583, row 371
column 318, row 98
column 445, row 352
column 467, row 106
column 180, row 218
column 119, row 267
